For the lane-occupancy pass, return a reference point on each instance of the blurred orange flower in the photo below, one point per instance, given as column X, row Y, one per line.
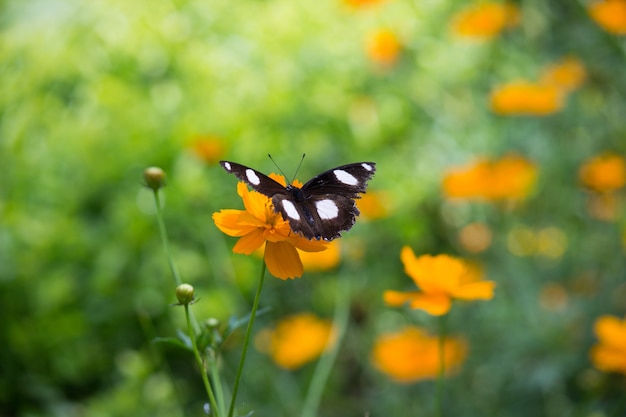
column 442, row 278
column 604, row 173
column 373, row 205
column 383, row 47
column 296, row 340
column 526, row 98
column 259, row 224
column 411, row 355
column 209, row 149
column 609, row 355
column 322, row 261
column 357, row 4
column 610, row 15
column 486, row 19
column 511, row 177
column 567, row 74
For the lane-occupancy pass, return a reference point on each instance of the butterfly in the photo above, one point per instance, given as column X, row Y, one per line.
column 323, row 207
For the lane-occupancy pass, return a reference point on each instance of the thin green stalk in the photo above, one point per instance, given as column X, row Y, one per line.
column 165, row 240
column 326, row 362
column 217, row 382
column 442, row 365
column 200, row 362
column 168, row 252
column 244, row 351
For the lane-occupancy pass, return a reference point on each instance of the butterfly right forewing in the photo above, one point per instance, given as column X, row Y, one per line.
column 346, row 180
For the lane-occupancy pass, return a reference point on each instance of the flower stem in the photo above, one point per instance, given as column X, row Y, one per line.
column 442, row 365
column 325, row 364
column 207, row 385
column 244, row 351
column 164, row 239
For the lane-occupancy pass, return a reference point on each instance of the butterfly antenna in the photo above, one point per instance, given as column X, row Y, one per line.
column 298, row 169
column 275, row 164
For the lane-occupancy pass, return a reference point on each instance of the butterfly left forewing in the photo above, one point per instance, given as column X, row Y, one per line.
column 347, row 180
column 255, row 179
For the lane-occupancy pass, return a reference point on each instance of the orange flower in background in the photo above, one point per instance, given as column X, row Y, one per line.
column 358, row 4
column 486, row 20
column 259, row 224
column 526, row 98
column 373, row 205
column 511, row 177
column 411, row 355
column 610, row 15
column 296, row 340
column 604, row 173
column 383, row 47
column 567, row 74
column 442, row 279
column 209, row 149
column 322, row 261
column 609, row 355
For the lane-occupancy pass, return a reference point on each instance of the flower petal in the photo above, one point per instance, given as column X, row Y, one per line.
column 482, row 290
column 607, row 359
column 282, row 260
column 254, row 202
column 250, row 242
column 307, row 245
column 398, row 298
column 228, row 221
column 435, row 305
column 611, row 331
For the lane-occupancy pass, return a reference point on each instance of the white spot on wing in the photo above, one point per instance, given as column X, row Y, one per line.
column 252, row 177
column 367, row 166
column 327, row 209
column 345, row 178
column 290, row 209
column 227, row 166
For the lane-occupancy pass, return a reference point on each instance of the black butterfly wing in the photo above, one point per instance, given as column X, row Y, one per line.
column 255, row 179
column 322, row 216
column 346, row 180
column 325, row 205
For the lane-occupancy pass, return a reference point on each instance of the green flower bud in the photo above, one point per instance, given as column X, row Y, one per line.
column 184, row 294
column 154, row 177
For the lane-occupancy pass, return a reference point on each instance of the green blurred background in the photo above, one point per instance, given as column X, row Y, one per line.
column 95, row 91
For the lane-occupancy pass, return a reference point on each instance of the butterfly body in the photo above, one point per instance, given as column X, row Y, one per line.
column 323, row 207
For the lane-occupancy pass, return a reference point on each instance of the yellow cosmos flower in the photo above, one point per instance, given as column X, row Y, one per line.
column 383, row 47
column 527, row 98
column 485, row 20
column 609, row 355
column 510, row 178
column 604, row 173
column 442, row 279
column 259, row 224
column 411, row 355
column 296, row 340
column 567, row 74
column 610, row 15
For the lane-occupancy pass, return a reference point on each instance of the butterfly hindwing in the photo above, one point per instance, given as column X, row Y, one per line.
column 323, row 207
column 322, row 216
